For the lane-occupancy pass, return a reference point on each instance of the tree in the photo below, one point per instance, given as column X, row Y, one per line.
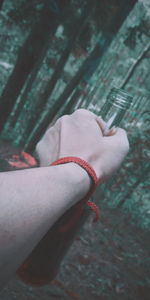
column 122, row 9
column 78, row 23
column 1, row 3
column 29, row 55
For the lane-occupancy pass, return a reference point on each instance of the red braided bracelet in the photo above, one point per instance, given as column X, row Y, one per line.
column 86, row 166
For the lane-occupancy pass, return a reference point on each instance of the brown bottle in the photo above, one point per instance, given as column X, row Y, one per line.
column 42, row 265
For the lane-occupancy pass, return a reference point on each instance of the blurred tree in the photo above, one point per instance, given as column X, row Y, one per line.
column 26, row 13
column 1, row 3
column 136, row 32
column 30, row 54
column 117, row 12
column 78, row 23
column 132, row 188
column 142, row 55
column 106, row 16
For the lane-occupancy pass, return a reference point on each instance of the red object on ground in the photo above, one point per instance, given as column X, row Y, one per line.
column 22, row 161
column 29, row 158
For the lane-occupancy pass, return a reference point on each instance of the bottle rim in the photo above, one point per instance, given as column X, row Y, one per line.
column 120, row 98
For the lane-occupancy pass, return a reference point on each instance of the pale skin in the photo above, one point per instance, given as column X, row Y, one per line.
column 32, row 200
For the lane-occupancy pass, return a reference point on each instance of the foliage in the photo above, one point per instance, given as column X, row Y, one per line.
column 101, row 19
column 116, row 264
column 137, row 32
column 25, row 13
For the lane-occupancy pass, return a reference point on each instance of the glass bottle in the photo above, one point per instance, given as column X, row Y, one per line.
column 42, row 265
column 114, row 109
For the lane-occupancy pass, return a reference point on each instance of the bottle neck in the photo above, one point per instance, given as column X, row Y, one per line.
column 118, row 101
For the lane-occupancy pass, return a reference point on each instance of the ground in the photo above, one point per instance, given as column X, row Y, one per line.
column 109, row 260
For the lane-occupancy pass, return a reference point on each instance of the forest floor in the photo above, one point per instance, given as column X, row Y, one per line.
column 109, row 260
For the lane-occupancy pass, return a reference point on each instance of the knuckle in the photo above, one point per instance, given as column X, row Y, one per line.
column 84, row 112
column 38, row 147
column 80, row 111
column 63, row 118
column 127, row 146
column 122, row 131
column 123, row 140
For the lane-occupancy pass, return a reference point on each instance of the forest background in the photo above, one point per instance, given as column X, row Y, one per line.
column 57, row 56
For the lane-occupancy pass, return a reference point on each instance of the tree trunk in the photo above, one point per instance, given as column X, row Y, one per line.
column 28, row 87
column 135, row 65
column 77, row 29
column 27, row 58
column 139, row 180
column 41, row 127
column 1, row 3
column 85, row 72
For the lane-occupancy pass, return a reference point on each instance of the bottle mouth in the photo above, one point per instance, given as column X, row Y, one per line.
column 120, row 98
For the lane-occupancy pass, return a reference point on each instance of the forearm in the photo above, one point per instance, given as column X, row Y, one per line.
column 31, row 201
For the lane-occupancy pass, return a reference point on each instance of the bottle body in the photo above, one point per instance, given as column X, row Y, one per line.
column 43, row 264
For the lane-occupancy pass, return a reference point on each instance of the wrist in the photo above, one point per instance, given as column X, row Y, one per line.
column 84, row 165
column 76, row 177
column 81, row 181
column 80, row 177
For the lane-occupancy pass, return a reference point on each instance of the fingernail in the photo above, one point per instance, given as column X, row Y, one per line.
column 113, row 129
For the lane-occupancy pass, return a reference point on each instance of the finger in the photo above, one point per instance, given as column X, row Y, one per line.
column 86, row 113
column 117, row 132
column 119, row 138
column 111, row 131
column 53, row 122
column 101, row 123
column 56, row 121
column 120, row 132
column 83, row 113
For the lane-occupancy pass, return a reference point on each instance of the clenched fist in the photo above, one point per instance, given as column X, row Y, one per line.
column 81, row 134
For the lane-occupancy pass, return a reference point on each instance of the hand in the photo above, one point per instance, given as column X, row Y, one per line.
column 81, row 134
